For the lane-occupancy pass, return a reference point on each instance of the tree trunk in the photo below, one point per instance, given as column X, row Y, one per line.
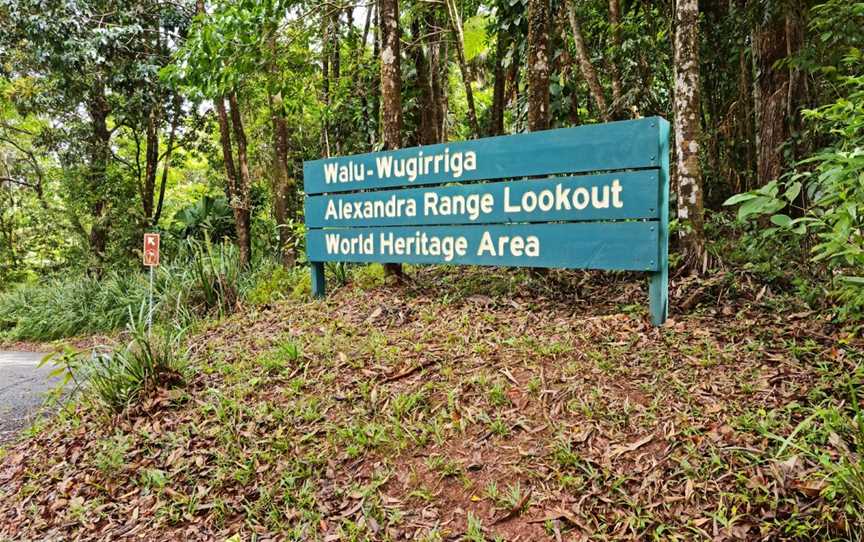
column 336, row 71
column 614, row 72
column 283, row 185
column 513, row 79
column 744, row 129
column 688, row 134
column 227, row 150
column 99, row 152
column 360, row 78
column 585, row 65
column 166, row 166
column 496, row 122
column 456, row 27
column 241, row 203
column 425, row 105
column 391, row 88
column 777, row 92
column 538, row 65
column 437, row 62
column 151, row 161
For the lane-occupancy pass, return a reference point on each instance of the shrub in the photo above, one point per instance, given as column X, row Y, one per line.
column 369, row 276
column 67, row 307
column 203, row 277
column 216, row 274
column 271, row 282
column 825, row 194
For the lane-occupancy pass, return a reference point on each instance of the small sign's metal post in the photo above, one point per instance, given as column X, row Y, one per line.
column 150, row 311
column 150, row 256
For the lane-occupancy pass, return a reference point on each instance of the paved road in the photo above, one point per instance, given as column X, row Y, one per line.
column 22, row 390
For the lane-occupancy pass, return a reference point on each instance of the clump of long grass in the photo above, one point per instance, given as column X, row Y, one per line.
column 202, row 278
column 149, row 360
column 117, row 377
column 64, row 307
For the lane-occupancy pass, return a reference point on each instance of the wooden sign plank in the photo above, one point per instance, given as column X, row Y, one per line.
column 592, row 245
column 632, row 144
column 618, row 196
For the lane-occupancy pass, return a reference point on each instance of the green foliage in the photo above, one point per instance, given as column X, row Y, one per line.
column 369, row 276
column 117, row 378
column 476, row 38
column 270, row 282
column 826, row 194
column 215, row 274
column 209, row 217
column 204, row 277
column 68, row 307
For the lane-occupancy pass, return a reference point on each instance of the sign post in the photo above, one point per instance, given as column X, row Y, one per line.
column 589, row 197
column 151, row 260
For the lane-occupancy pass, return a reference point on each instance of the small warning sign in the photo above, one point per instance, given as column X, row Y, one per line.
column 151, row 249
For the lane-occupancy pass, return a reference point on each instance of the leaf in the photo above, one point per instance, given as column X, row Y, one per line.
column 792, row 192
column 757, row 206
column 781, row 220
column 476, row 40
column 738, row 198
column 625, row 448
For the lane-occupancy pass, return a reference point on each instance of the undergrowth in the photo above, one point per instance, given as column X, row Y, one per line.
column 203, row 280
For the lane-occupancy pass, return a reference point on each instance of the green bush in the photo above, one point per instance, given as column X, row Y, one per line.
column 825, row 195
column 369, row 276
column 271, row 282
column 203, row 277
column 68, row 307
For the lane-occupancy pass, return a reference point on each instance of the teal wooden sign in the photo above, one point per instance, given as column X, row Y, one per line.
column 590, row 197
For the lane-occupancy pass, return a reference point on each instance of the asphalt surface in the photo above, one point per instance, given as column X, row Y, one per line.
column 23, row 386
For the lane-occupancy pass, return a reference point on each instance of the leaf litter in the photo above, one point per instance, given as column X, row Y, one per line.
column 413, row 410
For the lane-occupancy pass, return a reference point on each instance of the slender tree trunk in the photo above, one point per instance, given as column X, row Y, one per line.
column 513, row 79
column 283, row 186
column 456, row 27
column 325, row 81
column 335, row 46
column 777, row 92
column 227, row 150
column 744, row 128
column 496, row 122
column 241, row 202
column 425, row 105
column 283, row 182
column 166, row 165
column 437, row 74
column 376, row 96
column 614, row 71
column 538, row 65
column 99, row 152
column 391, row 88
column 434, row 45
column 360, row 76
column 336, row 71
column 585, row 65
column 688, row 134
column 151, row 161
